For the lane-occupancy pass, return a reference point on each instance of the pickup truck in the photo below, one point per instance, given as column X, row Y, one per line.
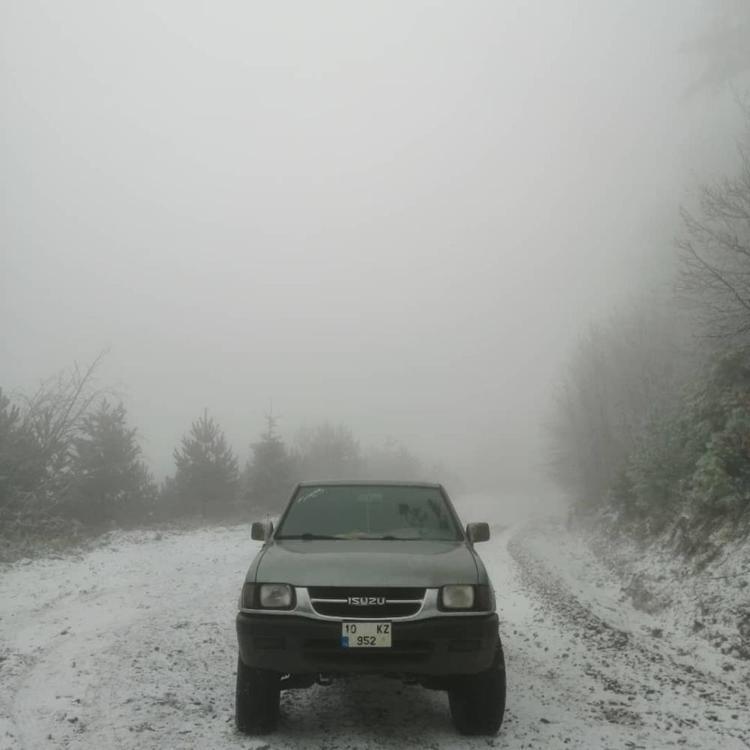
column 370, row 578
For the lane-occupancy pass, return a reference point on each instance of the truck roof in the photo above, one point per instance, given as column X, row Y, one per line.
column 368, row 483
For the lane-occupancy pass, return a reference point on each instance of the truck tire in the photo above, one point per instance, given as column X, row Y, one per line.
column 257, row 699
column 477, row 702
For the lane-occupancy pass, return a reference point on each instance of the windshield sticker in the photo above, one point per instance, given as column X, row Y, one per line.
column 313, row 493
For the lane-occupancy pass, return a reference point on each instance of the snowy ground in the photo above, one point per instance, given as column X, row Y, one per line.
column 133, row 646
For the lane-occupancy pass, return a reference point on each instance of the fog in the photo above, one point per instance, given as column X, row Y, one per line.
column 394, row 216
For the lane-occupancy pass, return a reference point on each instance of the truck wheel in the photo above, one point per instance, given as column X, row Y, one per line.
column 257, row 699
column 477, row 701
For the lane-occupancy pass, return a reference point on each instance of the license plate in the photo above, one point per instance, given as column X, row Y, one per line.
column 366, row 634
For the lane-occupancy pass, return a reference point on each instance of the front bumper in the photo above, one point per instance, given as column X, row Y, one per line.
column 441, row 646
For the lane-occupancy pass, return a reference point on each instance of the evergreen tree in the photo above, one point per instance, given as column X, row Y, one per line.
column 691, row 466
column 270, row 473
column 329, row 452
column 109, row 480
column 207, row 473
column 21, row 464
column 392, row 460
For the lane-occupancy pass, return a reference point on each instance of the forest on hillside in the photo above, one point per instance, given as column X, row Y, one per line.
column 71, row 466
column 650, row 433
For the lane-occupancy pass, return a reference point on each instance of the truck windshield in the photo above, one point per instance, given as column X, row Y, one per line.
column 369, row 512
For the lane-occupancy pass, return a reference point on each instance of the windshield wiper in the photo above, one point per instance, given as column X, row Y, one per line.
column 387, row 538
column 414, row 539
column 307, row 536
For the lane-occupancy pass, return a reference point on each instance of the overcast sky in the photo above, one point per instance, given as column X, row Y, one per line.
column 395, row 215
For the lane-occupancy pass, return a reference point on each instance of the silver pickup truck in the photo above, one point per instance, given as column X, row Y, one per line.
column 376, row 578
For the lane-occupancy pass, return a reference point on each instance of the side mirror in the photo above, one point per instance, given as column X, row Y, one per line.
column 478, row 532
column 261, row 530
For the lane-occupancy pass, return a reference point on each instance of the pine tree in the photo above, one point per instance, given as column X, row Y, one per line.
column 207, row 472
column 392, row 460
column 269, row 475
column 329, row 452
column 109, row 480
column 20, row 456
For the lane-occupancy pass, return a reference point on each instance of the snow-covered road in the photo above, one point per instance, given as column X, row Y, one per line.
column 133, row 646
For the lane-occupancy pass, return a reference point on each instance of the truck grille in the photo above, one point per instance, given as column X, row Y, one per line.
column 366, row 602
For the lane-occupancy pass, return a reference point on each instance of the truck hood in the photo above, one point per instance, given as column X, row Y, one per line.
column 366, row 563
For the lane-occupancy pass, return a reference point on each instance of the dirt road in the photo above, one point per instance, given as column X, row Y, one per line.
column 132, row 645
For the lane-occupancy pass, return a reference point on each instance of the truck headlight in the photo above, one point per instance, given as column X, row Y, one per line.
column 267, row 596
column 276, row 596
column 457, row 597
